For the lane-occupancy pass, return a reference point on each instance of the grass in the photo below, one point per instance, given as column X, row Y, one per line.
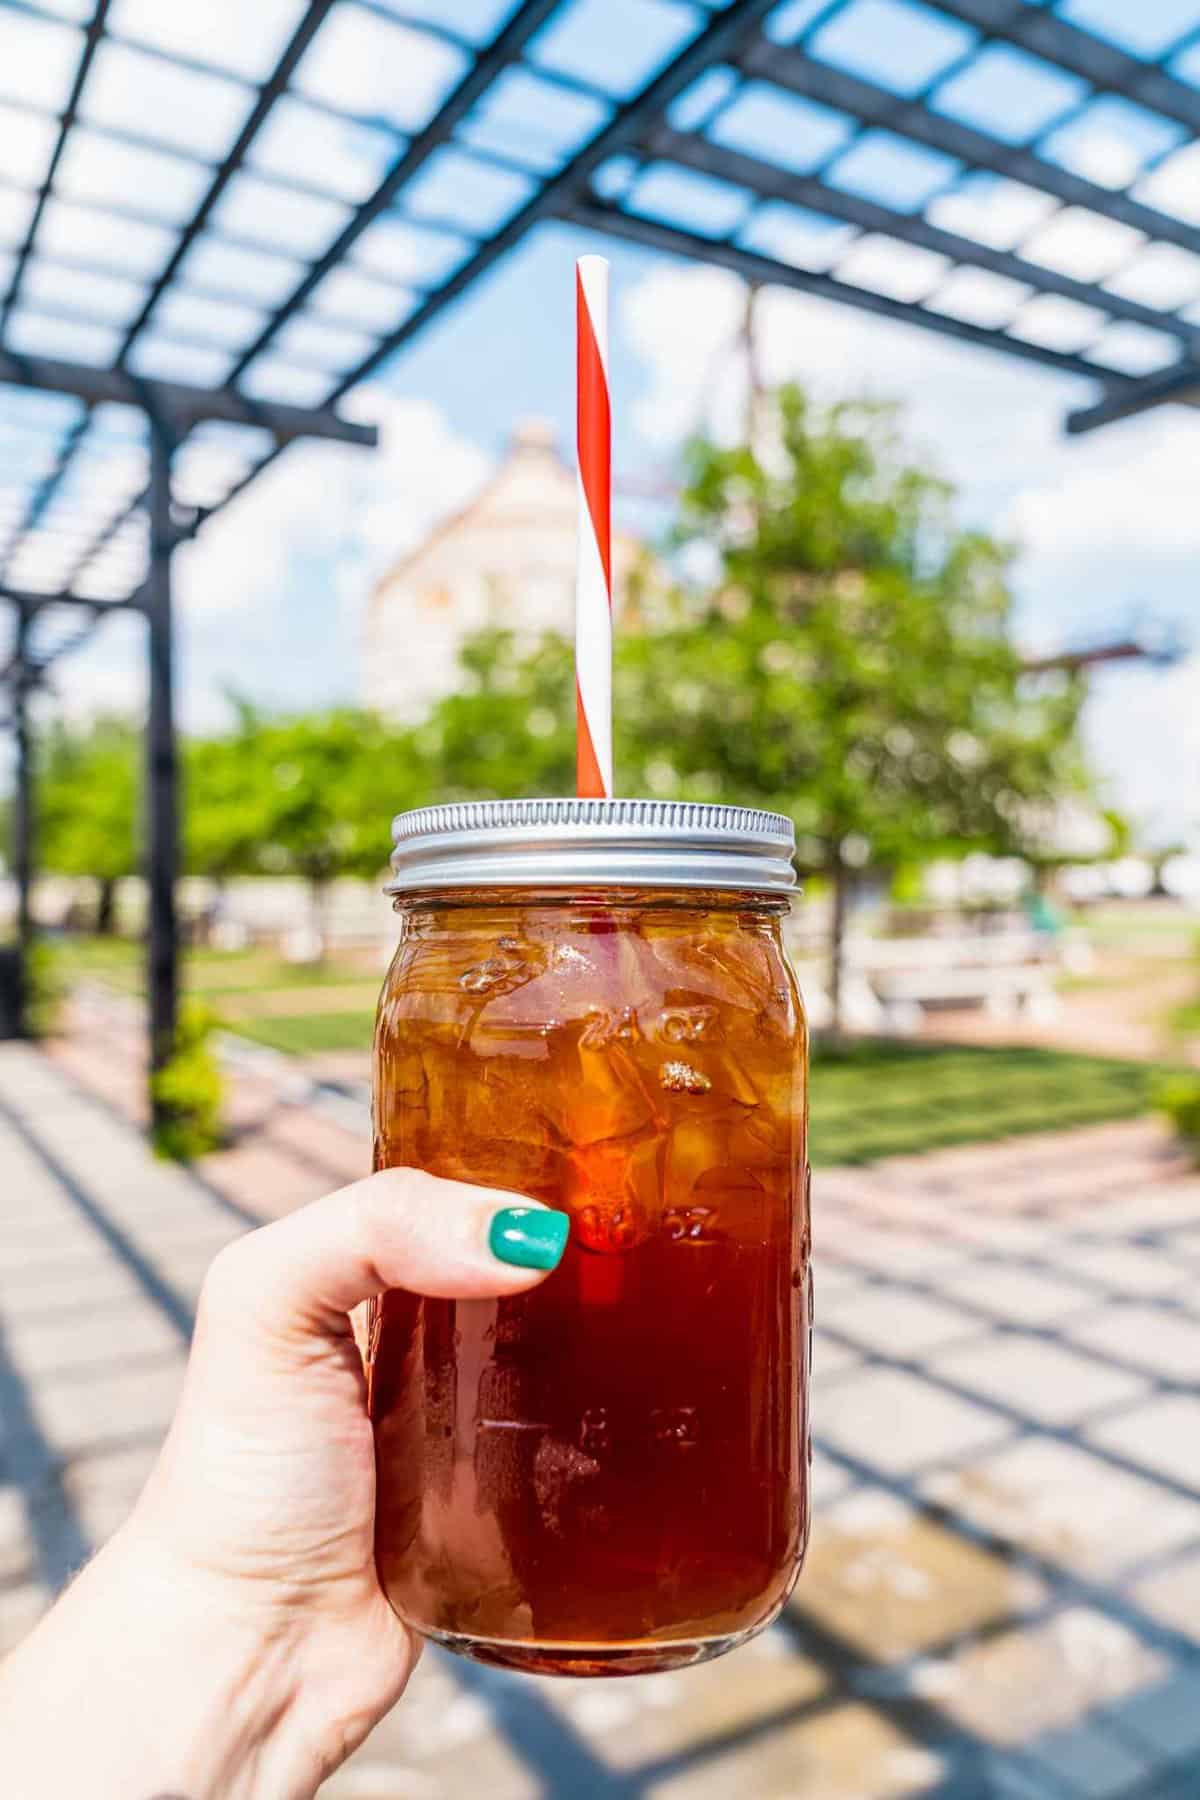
column 207, row 973
column 1185, row 1020
column 1145, row 924
column 896, row 1099
column 308, row 1034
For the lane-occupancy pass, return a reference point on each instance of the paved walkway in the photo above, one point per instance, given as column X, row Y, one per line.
column 1003, row 1593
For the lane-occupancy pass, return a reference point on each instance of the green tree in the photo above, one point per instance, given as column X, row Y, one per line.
column 88, row 805
column 308, row 795
column 508, row 730
column 224, row 808
column 850, row 663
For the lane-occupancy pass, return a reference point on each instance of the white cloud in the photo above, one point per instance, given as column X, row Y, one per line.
column 1144, row 730
column 270, row 594
column 1172, row 185
column 85, row 686
column 106, row 675
column 377, row 68
column 1105, row 157
column 422, row 471
column 273, row 592
column 245, row 39
column 964, row 410
column 1130, row 490
column 681, row 324
column 332, row 505
column 299, row 507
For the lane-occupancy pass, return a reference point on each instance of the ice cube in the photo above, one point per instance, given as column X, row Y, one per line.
column 721, row 961
column 722, row 1172
column 613, row 1191
column 511, row 965
column 485, row 1123
column 399, row 1070
column 512, row 1164
column 558, row 1469
column 602, row 1091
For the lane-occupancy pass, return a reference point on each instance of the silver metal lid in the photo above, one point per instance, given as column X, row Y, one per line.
column 592, row 843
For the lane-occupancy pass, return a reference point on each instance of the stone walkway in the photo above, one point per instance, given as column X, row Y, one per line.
column 1003, row 1592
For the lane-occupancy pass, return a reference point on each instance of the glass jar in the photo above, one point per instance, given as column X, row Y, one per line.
column 591, row 1005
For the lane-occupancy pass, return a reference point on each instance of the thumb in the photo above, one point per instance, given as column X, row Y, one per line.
column 399, row 1228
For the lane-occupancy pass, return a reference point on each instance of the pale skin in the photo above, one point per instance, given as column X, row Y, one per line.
column 231, row 1641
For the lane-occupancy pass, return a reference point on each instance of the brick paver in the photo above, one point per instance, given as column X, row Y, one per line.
column 1003, row 1592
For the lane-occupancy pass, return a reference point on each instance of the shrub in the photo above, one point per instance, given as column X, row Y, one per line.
column 188, row 1092
column 46, row 989
column 1178, row 1098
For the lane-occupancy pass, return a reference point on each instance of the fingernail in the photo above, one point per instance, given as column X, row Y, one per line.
column 529, row 1236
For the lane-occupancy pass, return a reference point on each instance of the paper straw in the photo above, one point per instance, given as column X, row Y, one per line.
column 593, row 585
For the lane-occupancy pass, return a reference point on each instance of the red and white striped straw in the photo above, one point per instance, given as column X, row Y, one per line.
column 593, row 583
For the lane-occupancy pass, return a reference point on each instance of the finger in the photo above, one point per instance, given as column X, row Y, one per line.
column 398, row 1228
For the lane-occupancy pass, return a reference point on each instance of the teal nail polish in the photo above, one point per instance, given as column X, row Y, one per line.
column 529, row 1236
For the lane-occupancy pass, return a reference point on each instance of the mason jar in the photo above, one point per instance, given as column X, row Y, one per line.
column 591, row 1005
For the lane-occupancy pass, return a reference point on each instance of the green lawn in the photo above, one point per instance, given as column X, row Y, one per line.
column 896, row 1099
column 207, row 973
column 1152, row 925
column 308, row 1034
column 1185, row 1020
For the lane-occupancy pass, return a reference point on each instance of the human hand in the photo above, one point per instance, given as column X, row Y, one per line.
column 233, row 1639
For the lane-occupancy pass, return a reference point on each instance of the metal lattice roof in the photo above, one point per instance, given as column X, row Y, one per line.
column 270, row 201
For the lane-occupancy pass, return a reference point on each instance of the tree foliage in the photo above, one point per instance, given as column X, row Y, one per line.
column 88, row 804
column 508, row 731
column 851, row 662
column 308, row 795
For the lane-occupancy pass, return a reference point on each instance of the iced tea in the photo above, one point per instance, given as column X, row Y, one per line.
column 607, row 1474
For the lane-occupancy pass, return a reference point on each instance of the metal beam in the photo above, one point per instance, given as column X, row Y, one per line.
column 314, row 17
column 162, row 820
column 44, row 492
column 719, row 40
column 800, row 73
column 185, row 406
column 73, row 442
column 505, row 48
column 1104, row 65
column 37, row 667
column 774, row 183
column 1073, row 661
column 34, row 602
column 45, row 488
column 595, row 216
column 91, row 43
column 1173, row 385
column 22, row 826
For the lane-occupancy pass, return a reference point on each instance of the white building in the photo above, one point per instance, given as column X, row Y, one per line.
column 507, row 559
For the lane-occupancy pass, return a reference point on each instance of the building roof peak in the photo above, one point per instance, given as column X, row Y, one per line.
column 533, row 433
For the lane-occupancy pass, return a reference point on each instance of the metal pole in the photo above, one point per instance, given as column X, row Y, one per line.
column 162, row 820
column 23, row 825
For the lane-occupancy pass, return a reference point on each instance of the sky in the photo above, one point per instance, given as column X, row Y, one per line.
column 271, row 596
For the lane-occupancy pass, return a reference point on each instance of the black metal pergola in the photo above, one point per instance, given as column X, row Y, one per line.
column 170, row 412
column 274, row 201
